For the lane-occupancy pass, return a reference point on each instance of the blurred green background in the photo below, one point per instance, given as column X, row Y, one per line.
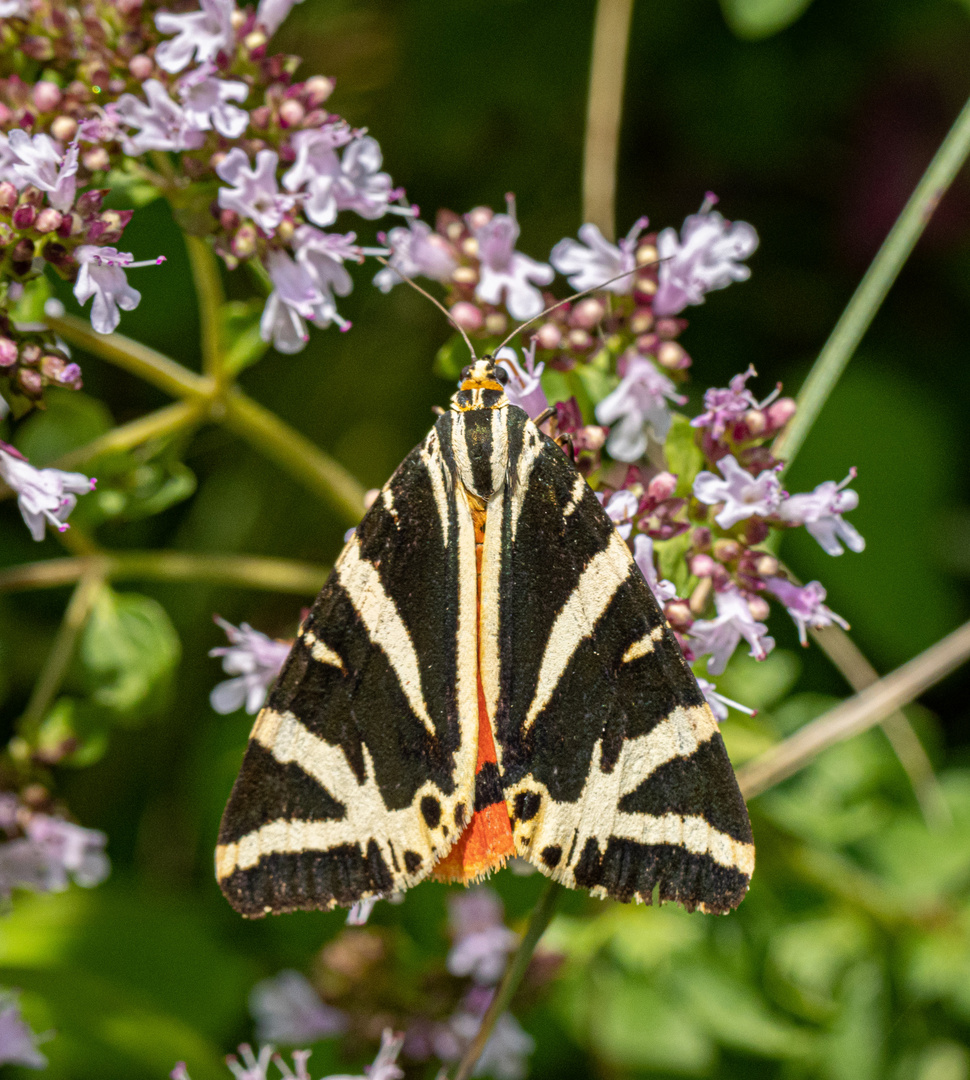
column 851, row 956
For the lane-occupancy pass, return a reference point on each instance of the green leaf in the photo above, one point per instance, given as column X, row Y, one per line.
column 30, row 307
column 684, row 456
column 756, row 19
column 129, row 650
column 71, row 420
column 128, row 188
column 671, row 561
column 241, row 342
column 451, row 358
column 74, row 721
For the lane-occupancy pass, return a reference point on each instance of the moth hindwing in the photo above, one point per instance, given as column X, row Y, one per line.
column 485, row 674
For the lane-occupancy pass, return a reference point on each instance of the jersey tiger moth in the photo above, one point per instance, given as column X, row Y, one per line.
column 485, row 674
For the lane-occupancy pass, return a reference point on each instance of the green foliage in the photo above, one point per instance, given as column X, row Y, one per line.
column 755, row 19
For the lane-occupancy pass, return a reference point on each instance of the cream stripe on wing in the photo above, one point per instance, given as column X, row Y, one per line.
column 431, row 456
column 321, row 651
column 500, row 447
column 579, row 490
column 490, row 617
column 531, row 449
column 644, row 645
column 590, row 598
column 384, row 626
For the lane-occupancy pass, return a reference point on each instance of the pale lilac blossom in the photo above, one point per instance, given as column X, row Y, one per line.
column 524, row 387
column 254, row 659
column 503, row 270
column 725, row 406
column 621, row 508
column 640, row 401
column 254, row 193
column 39, row 160
column 203, row 33
column 720, row 636
column 50, row 854
column 14, row 9
column 207, row 101
column 663, row 590
column 317, row 167
column 271, row 13
column 416, row 251
column 43, row 495
column 805, row 604
column 504, row 1055
column 719, row 703
column 161, row 122
column 595, row 261
column 361, row 186
column 821, row 510
column 323, row 255
column 742, row 494
column 706, row 256
column 18, row 1044
column 482, row 941
column 102, row 275
column 287, row 1009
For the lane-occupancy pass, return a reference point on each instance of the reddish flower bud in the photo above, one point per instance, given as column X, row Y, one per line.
column 780, row 412
column 478, row 217
column 644, row 284
column 587, row 313
column 672, row 356
column 702, row 566
column 647, row 343
column 756, row 532
column 8, row 197
column 31, row 196
column 641, row 321
column 8, row 352
column 755, row 423
column 580, row 340
column 467, row 316
column 701, row 538
column 48, row 220
column 646, row 254
column 464, row 275
column 23, row 216
column 30, row 354
column 260, row 117
column 244, row 242
column 317, row 89
column 64, row 128
column 679, row 614
column 727, row 551
column 759, row 608
column 766, row 565
column 662, row 486
column 90, row 202
column 97, row 159
column 548, row 336
column 47, row 96
column 291, row 114
column 30, row 381
column 496, row 323
column 141, row 67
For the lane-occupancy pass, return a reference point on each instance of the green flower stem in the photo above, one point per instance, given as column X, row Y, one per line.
column 872, row 290
column 295, row 453
column 856, row 714
column 604, row 108
column 208, row 289
column 538, row 922
column 90, row 583
column 242, row 571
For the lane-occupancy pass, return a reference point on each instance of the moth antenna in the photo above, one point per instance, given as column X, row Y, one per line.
column 437, row 303
column 569, row 299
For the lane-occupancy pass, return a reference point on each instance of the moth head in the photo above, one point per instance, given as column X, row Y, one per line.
column 483, row 374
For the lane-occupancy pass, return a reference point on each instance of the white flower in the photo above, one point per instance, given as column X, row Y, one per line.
column 52, row 852
column 252, row 656
column 596, row 260
column 287, row 1009
column 719, row 703
column 271, row 13
column 102, row 275
column 821, row 510
column 524, row 387
column 295, row 299
column 503, row 1056
column 162, row 123
column 323, row 255
column 254, row 193
column 316, row 167
column 18, row 1044
column 720, row 636
column 504, row 270
column 741, row 493
column 482, row 941
column 360, row 185
column 43, row 495
column 643, row 556
column 416, row 251
column 638, row 402
column 805, row 605
column 15, row 9
column 704, row 258
column 205, row 33
column 206, row 101
column 39, row 160
column 621, row 509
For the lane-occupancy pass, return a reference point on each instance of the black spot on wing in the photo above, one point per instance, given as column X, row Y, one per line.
column 551, row 855
column 412, row 861
column 702, row 784
column 488, row 786
column 526, row 805
column 431, row 811
column 459, row 815
column 627, row 869
column 267, row 791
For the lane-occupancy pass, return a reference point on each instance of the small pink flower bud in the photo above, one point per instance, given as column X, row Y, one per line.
column 548, row 336
column 679, row 614
column 30, row 381
column 780, row 412
column 255, row 44
column 646, row 254
column 702, row 566
column 244, row 242
column 755, row 423
column 672, row 356
column 70, row 226
column 641, row 322
column 8, row 197
column 593, row 437
column 317, row 89
column 580, row 340
column 64, row 128
column 48, row 220
column 30, row 354
column 314, row 118
column 727, row 551
column 52, row 367
column 260, row 117
column 464, row 275
column 47, row 96
column 90, row 202
column 97, row 159
column 469, row 247
column 588, row 313
column 496, row 323
column 759, row 608
column 701, row 538
column 756, row 532
column 669, row 328
column 8, row 352
column 229, row 220
column 766, row 565
column 478, row 217
column 31, row 196
column 5, row 114
column 23, row 217
column 467, row 315
column 141, row 67
column 22, row 254
column 662, row 486
column 647, row 343
column 644, row 284
column 454, row 230
column 291, row 113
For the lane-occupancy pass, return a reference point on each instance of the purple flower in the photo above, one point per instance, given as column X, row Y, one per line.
column 360, row 185
column 741, row 493
column 621, row 508
column 252, row 656
column 38, row 160
column 322, row 255
column 505, row 270
column 805, row 605
column 294, row 300
column 725, row 406
column 50, row 854
column 102, row 275
column 704, row 258
column 18, row 1044
column 162, row 124
column 416, row 251
column 643, row 556
column 640, row 400
column 720, row 636
column 524, row 387
column 596, row 260
column 504, row 1055
column 821, row 510
column 287, row 1009
column 271, row 13
column 482, row 942
column 254, row 194
column 719, row 703
column 317, row 167
column 206, row 101
column 43, row 495
column 14, row 9
column 205, row 33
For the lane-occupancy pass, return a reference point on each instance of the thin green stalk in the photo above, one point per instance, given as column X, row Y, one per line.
column 538, row 921
column 211, row 297
column 241, row 571
column 155, row 425
column 872, row 290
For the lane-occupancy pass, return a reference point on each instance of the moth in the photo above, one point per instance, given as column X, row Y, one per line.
column 485, row 674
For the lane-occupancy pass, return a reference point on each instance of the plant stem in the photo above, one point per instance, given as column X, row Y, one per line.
column 243, row 571
column 208, row 289
column 872, row 290
column 155, row 425
column 538, row 921
column 611, row 37
column 856, row 714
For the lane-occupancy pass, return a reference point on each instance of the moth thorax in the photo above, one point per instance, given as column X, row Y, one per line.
column 479, row 441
